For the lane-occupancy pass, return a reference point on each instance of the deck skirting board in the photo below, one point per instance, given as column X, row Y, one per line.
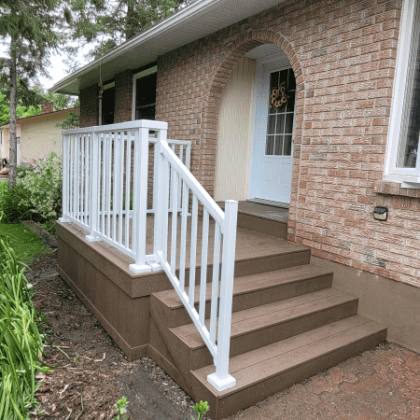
column 131, row 352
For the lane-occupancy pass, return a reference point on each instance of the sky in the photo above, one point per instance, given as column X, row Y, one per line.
column 57, row 70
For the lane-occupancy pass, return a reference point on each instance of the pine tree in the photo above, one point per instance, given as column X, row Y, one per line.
column 29, row 29
column 105, row 24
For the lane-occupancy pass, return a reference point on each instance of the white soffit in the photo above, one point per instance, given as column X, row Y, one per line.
column 262, row 51
column 195, row 21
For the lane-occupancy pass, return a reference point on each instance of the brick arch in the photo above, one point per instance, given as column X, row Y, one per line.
column 230, row 57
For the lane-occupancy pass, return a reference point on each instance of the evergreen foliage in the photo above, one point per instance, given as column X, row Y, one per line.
column 29, row 29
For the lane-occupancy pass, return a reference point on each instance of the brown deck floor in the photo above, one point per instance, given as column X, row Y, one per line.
column 249, row 244
column 265, row 211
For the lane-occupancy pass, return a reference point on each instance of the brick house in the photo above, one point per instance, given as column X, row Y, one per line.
column 309, row 106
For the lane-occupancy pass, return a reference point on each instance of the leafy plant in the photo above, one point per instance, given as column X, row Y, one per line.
column 201, row 408
column 21, row 341
column 121, row 407
column 36, row 195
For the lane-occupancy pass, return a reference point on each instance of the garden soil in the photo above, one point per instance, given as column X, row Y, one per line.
column 92, row 374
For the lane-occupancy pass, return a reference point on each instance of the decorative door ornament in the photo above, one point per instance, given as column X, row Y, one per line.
column 278, row 95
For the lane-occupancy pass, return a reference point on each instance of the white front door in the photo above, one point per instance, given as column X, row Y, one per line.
column 273, row 133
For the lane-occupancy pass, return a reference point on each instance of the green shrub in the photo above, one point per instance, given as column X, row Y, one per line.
column 36, row 195
column 21, row 342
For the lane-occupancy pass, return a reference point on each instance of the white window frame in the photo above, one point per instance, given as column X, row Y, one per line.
column 408, row 177
column 139, row 75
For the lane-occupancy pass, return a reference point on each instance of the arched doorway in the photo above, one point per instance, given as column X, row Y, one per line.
column 255, row 128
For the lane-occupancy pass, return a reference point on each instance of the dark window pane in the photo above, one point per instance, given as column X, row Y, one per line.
column 289, row 124
column 292, row 81
column 271, row 124
column 283, row 77
column 274, row 80
column 108, row 106
column 291, row 101
column 146, row 113
column 146, row 97
column 287, row 151
column 278, row 150
column 269, row 147
column 280, row 124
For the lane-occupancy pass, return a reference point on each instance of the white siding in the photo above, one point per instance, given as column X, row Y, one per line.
column 234, row 134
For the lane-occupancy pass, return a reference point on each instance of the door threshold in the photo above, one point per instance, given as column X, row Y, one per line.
column 269, row 203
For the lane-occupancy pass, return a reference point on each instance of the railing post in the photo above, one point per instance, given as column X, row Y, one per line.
column 65, row 179
column 141, row 162
column 93, row 188
column 160, row 200
column 221, row 379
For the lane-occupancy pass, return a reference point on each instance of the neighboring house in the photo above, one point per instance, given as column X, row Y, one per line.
column 340, row 141
column 37, row 136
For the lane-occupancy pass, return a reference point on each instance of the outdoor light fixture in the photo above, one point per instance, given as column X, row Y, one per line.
column 380, row 213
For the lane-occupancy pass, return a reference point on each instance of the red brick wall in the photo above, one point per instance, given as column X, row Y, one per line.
column 123, row 96
column 343, row 54
column 89, row 106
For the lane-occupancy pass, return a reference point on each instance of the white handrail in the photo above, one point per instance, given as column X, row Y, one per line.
column 107, row 191
column 171, row 173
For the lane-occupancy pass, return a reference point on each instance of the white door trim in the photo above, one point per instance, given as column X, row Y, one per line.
column 258, row 122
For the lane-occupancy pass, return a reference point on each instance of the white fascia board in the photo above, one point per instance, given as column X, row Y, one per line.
column 178, row 18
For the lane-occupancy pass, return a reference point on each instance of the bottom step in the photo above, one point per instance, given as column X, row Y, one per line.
column 270, row 369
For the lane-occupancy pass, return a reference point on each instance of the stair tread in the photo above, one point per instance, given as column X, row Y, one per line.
column 250, row 283
column 270, row 314
column 260, row 364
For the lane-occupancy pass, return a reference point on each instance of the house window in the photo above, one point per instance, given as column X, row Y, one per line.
column 144, row 98
column 281, row 114
column 108, row 104
column 402, row 162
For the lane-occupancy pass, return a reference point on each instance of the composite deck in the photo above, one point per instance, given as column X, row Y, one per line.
column 288, row 322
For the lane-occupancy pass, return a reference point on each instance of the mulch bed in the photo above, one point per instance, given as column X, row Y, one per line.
column 91, row 372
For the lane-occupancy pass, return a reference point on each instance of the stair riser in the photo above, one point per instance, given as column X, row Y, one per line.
column 271, row 227
column 257, row 265
column 180, row 316
column 201, row 357
column 261, row 390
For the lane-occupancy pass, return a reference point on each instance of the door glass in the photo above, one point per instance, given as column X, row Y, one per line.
column 281, row 113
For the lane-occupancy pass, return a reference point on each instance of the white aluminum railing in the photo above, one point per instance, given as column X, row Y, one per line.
column 107, row 177
column 106, row 188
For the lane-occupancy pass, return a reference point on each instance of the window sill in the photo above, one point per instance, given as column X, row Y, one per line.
column 404, row 188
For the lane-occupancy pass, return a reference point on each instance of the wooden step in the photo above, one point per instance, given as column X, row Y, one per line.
column 274, row 367
column 253, row 290
column 265, row 324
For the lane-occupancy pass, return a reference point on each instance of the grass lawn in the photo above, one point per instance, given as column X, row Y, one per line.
column 25, row 243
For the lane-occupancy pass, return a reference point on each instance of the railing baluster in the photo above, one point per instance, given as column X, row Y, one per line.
column 184, row 227
column 93, row 191
column 115, row 168
column 193, row 250
column 141, row 159
column 65, row 179
column 109, row 185
column 174, row 218
column 120, row 188
column 87, row 208
column 203, row 280
column 103, row 191
column 215, row 284
column 128, row 191
column 82, row 176
column 221, row 379
column 77, row 179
